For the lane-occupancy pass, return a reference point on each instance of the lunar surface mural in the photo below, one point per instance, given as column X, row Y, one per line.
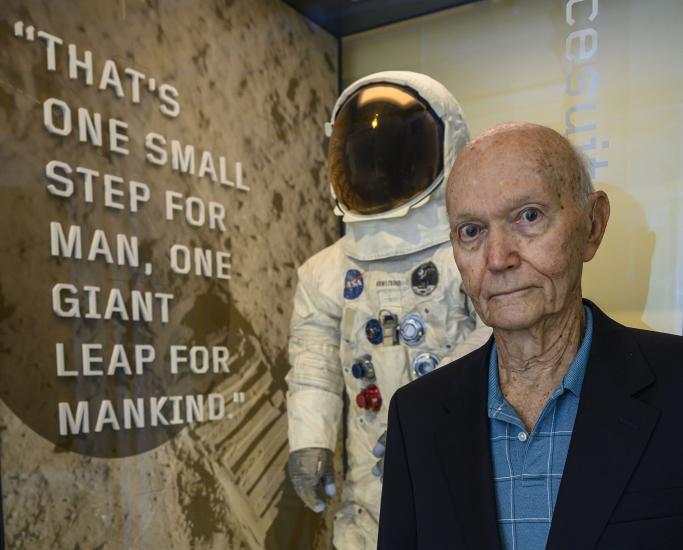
column 163, row 176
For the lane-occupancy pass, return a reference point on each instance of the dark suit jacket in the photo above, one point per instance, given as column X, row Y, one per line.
column 622, row 486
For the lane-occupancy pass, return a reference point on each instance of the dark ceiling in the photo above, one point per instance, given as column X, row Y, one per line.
column 344, row 17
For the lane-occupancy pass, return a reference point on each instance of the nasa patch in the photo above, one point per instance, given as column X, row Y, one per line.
column 353, row 284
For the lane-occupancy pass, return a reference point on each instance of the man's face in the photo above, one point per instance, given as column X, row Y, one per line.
column 517, row 232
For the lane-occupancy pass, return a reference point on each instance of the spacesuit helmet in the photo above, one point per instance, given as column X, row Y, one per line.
column 391, row 144
column 385, row 150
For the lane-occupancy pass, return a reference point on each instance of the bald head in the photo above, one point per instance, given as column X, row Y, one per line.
column 538, row 148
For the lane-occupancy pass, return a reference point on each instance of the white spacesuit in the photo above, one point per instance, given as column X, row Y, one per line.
column 385, row 303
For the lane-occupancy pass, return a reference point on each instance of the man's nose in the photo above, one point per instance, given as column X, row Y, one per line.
column 501, row 250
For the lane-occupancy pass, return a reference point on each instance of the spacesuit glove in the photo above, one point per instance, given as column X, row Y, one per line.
column 378, row 452
column 312, row 473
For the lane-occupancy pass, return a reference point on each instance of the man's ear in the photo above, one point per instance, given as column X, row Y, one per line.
column 598, row 206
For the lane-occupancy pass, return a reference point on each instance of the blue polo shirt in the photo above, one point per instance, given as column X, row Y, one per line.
column 527, row 466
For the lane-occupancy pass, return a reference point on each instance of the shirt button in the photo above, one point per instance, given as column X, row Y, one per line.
column 522, row 436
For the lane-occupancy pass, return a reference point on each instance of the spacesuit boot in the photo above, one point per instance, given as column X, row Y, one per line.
column 385, row 303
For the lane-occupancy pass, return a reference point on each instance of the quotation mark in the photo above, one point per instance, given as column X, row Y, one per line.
column 237, row 397
column 29, row 33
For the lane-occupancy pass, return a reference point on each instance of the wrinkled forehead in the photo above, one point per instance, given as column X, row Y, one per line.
column 536, row 155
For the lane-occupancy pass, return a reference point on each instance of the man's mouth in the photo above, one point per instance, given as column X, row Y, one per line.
column 508, row 292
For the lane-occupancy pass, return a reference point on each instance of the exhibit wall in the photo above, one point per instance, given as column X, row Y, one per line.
column 606, row 74
column 162, row 176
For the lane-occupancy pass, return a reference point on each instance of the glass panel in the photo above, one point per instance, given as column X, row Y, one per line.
column 607, row 75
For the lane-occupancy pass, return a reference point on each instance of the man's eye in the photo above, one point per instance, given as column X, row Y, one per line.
column 530, row 215
column 468, row 232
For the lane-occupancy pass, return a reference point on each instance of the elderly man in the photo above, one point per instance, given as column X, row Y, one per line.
column 565, row 430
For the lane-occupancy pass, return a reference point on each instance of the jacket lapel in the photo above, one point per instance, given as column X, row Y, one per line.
column 611, row 431
column 462, row 445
